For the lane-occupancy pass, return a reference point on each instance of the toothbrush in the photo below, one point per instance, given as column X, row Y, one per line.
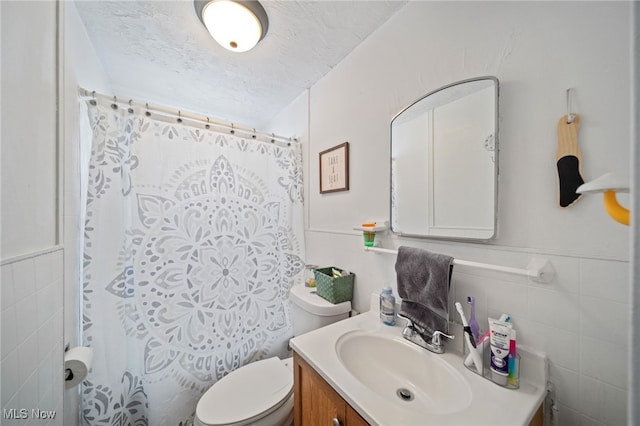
column 465, row 324
column 480, row 344
column 475, row 327
column 471, row 344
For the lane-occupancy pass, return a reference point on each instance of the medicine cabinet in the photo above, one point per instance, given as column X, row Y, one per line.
column 444, row 163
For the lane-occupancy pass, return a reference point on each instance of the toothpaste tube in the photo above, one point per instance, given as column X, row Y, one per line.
column 482, row 341
column 500, row 337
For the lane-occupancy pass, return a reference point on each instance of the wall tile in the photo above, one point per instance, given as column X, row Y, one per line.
column 588, row 421
column 603, row 403
column 615, row 402
column 26, row 318
column 566, row 275
column 46, row 339
column 566, row 384
column 603, row 279
column 28, row 395
column 561, row 346
column 507, row 297
column 32, row 325
column 24, row 279
column 29, row 361
column 605, row 320
column 464, row 285
column 45, row 384
column 10, row 377
column 555, row 308
column 566, row 416
column 9, row 336
column 46, row 302
column 8, row 297
column 604, row 361
column 48, row 268
column 59, row 420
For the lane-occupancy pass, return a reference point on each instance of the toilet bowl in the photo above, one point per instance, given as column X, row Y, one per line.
column 261, row 393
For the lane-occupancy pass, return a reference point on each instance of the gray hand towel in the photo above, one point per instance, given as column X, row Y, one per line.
column 423, row 285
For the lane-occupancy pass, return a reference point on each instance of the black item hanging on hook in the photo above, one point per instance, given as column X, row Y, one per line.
column 568, row 159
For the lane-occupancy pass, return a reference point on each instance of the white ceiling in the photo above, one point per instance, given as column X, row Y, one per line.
column 159, row 52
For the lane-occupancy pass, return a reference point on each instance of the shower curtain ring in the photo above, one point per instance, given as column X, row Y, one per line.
column 179, row 120
column 130, row 106
column 232, row 129
column 114, row 105
column 147, row 113
column 207, row 126
column 254, row 133
column 273, row 137
column 93, row 99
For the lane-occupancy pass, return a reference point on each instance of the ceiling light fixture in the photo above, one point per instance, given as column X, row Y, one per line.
column 237, row 25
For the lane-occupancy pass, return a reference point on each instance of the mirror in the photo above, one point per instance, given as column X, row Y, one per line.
column 444, row 163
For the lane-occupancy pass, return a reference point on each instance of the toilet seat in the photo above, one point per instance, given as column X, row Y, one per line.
column 246, row 394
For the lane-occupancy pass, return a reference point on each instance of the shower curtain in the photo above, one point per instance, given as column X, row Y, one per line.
column 192, row 239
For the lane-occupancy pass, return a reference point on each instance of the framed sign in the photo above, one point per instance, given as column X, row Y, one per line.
column 334, row 169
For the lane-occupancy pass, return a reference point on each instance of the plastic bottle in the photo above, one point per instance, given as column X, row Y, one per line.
column 388, row 306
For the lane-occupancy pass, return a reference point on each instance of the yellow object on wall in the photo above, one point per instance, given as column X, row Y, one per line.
column 609, row 184
column 615, row 210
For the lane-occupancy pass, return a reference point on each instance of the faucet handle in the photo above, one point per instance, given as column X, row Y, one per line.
column 410, row 323
column 435, row 337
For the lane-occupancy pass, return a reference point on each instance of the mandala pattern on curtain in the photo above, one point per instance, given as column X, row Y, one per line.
column 192, row 241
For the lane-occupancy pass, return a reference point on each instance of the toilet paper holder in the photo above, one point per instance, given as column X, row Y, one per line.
column 77, row 363
column 68, row 374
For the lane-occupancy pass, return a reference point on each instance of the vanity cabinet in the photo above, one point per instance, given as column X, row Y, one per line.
column 316, row 402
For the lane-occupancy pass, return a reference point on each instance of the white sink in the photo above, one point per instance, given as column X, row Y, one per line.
column 404, row 373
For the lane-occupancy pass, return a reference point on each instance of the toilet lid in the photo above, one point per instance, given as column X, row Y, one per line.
column 308, row 299
column 246, row 393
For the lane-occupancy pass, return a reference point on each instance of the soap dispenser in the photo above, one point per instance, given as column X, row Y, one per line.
column 388, row 306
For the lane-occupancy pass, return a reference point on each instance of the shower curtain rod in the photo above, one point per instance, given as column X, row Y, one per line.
column 180, row 115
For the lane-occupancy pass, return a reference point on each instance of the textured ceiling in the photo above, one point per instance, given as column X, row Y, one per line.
column 159, row 52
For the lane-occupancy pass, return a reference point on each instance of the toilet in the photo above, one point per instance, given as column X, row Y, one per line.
column 261, row 393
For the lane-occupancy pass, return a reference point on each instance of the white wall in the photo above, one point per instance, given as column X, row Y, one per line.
column 39, row 272
column 31, row 264
column 29, row 160
column 537, row 50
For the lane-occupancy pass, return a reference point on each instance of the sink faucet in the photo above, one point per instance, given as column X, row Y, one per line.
column 418, row 335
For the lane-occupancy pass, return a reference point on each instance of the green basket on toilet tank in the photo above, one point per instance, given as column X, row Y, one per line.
column 335, row 290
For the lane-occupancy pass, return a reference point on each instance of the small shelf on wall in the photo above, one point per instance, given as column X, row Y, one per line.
column 377, row 227
column 369, row 231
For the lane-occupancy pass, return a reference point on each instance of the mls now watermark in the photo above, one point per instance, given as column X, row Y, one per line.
column 24, row 413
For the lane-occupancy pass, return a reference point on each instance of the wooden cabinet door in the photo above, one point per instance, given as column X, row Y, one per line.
column 354, row 419
column 316, row 403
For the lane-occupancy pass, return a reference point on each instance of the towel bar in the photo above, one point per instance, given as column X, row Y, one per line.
column 539, row 270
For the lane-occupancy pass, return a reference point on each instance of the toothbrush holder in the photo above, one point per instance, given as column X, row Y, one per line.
column 511, row 381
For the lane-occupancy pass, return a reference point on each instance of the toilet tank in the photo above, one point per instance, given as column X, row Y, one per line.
column 311, row 311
